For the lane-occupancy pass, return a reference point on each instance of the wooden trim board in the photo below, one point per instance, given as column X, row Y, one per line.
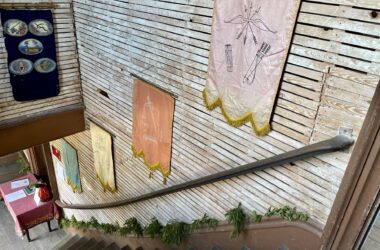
column 274, row 233
column 359, row 186
column 26, row 132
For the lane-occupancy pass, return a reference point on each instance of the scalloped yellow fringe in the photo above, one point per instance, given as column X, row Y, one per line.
column 73, row 186
column 151, row 167
column 105, row 185
column 236, row 122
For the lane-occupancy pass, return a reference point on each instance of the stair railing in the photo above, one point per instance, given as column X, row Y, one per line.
column 336, row 143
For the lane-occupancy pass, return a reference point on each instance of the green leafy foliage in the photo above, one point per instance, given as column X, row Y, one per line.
column 94, row 223
column 74, row 221
column 154, row 228
column 24, row 166
column 236, row 217
column 64, row 223
column 78, row 224
column 287, row 213
column 205, row 221
column 131, row 226
column 175, row 232
column 108, row 228
column 82, row 225
column 256, row 217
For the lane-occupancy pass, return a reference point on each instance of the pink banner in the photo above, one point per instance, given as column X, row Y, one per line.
column 249, row 44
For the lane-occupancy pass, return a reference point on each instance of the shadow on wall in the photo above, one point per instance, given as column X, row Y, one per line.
column 12, row 166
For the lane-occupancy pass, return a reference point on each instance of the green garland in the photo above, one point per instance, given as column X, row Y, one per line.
column 153, row 228
column 256, row 217
column 131, row 226
column 287, row 213
column 205, row 221
column 176, row 232
column 236, row 217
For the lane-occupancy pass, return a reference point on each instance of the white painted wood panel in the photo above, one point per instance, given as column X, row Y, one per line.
column 330, row 75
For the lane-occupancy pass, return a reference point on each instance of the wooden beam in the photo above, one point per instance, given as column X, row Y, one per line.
column 359, row 185
column 26, row 132
column 50, row 170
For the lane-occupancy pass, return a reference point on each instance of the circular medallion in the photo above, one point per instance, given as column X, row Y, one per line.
column 21, row 66
column 44, row 65
column 30, row 47
column 40, row 27
column 15, row 27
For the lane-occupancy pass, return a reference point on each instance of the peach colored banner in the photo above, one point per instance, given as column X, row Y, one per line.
column 249, row 44
column 152, row 126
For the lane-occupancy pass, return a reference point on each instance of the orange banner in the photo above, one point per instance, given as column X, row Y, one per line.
column 153, row 112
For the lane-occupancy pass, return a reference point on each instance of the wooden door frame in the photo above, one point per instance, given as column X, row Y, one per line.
column 41, row 163
column 356, row 199
column 32, row 160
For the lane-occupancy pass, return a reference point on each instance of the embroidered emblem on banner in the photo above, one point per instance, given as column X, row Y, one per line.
column 153, row 111
column 249, row 44
column 32, row 62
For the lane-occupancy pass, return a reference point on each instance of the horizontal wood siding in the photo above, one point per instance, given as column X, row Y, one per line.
column 67, row 63
column 330, row 76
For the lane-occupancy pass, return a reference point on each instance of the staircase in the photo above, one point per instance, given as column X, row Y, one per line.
column 76, row 242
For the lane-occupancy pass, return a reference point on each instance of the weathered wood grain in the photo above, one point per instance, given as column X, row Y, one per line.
column 331, row 72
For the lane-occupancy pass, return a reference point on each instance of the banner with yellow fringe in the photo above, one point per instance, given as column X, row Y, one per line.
column 103, row 157
column 153, row 112
column 70, row 161
column 249, row 44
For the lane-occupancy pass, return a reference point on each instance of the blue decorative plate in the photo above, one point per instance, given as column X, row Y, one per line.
column 40, row 27
column 44, row 65
column 30, row 47
column 15, row 27
column 21, row 66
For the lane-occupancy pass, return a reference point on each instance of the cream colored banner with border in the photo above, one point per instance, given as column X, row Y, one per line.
column 103, row 157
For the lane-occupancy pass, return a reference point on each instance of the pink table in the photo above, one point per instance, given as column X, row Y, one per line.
column 25, row 211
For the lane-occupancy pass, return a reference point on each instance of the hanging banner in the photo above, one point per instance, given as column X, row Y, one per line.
column 30, row 44
column 103, row 157
column 153, row 111
column 70, row 160
column 249, row 44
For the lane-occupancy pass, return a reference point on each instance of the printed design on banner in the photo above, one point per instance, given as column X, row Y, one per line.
column 30, row 47
column 248, row 21
column 31, row 53
column 153, row 113
column 40, row 27
column 44, row 65
column 56, row 152
column 15, row 27
column 249, row 44
column 21, row 66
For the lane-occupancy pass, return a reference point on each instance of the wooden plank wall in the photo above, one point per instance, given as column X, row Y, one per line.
column 67, row 63
column 329, row 80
